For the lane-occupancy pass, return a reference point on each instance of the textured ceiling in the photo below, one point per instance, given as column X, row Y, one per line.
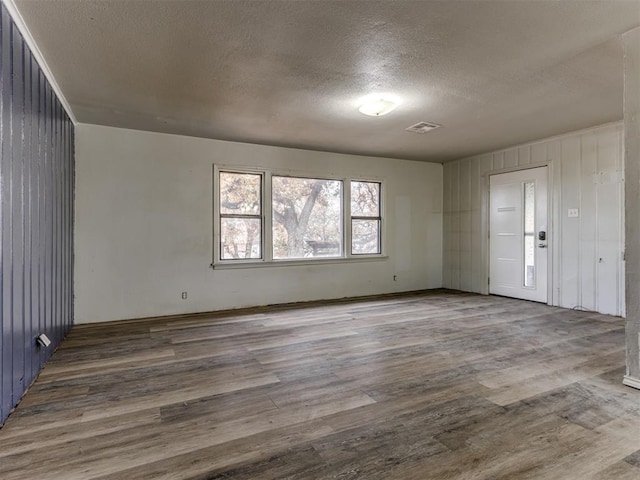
column 290, row 73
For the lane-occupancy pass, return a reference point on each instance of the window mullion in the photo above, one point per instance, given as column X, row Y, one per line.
column 382, row 206
column 267, row 219
column 235, row 215
column 347, row 224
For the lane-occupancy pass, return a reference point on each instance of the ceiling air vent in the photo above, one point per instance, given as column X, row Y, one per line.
column 422, row 127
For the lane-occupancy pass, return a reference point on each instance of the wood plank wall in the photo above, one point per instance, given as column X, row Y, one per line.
column 36, row 217
column 587, row 173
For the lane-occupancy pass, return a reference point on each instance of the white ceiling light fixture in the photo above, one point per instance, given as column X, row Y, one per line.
column 377, row 105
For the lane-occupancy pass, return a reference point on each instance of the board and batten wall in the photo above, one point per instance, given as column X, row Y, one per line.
column 36, row 217
column 586, row 172
column 144, row 227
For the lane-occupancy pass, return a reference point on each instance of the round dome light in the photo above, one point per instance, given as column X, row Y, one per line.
column 377, row 107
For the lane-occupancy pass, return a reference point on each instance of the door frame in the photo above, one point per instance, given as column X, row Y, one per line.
column 552, row 222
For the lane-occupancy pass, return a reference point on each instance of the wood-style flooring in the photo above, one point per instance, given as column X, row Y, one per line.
column 433, row 385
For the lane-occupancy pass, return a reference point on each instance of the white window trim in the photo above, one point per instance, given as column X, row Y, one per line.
column 266, row 237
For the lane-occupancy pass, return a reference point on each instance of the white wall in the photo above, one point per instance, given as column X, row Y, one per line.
column 143, row 231
column 586, row 173
column 631, row 42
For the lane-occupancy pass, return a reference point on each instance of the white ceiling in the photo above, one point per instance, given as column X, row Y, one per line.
column 290, row 73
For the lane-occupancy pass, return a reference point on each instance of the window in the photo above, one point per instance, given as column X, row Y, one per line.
column 307, row 217
column 529, row 234
column 365, row 217
column 240, row 216
column 267, row 217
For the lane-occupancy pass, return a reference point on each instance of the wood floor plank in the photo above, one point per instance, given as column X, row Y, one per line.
column 438, row 385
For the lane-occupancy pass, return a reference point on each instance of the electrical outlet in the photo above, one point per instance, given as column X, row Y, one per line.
column 43, row 341
column 395, row 278
column 184, row 295
column 573, row 213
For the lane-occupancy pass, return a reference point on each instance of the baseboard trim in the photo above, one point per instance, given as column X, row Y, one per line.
column 269, row 307
column 631, row 382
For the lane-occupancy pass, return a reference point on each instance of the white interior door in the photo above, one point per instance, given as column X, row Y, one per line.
column 518, row 235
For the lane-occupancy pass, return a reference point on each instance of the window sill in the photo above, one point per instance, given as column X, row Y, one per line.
column 298, row 262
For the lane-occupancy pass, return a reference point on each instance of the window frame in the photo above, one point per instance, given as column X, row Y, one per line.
column 259, row 216
column 378, row 218
column 342, row 220
column 266, row 236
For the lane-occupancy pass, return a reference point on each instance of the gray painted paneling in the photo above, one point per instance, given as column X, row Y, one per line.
column 36, row 216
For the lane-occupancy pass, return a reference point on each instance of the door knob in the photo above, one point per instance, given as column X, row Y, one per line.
column 542, row 245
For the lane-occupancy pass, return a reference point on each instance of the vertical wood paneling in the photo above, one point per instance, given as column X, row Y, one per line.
column 6, row 390
column 484, row 162
column 476, row 204
column 42, row 211
column 511, row 158
column 570, row 227
column 622, row 219
column 585, row 173
column 524, row 156
column 455, row 227
column 28, row 212
column 553, row 152
column 36, row 217
column 17, row 211
column 55, row 164
column 588, row 225
column 465, row 224
column 539, row 152
column 608, row 232
column 498, row 160
column 446, row 225
column 48, row 270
